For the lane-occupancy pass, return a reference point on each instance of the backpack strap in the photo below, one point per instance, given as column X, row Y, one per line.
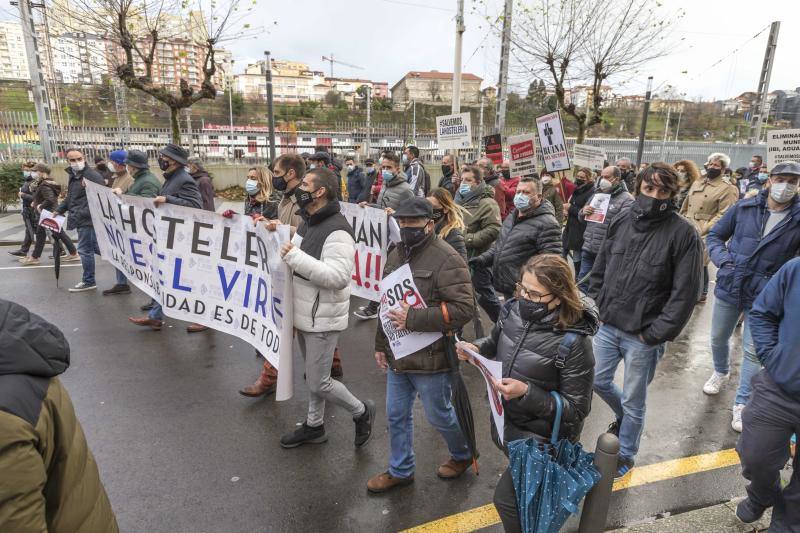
column 564, row 348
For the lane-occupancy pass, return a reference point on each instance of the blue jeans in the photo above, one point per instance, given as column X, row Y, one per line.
column 612, row 345
column 587, row 262
column 434, row 391
column 156, row 313
column 724, row 317
column 87, row 248
column 706, row 279
column 121, row 279
column 482, row 282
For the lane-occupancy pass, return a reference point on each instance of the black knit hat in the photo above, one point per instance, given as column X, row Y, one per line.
column 177, row 153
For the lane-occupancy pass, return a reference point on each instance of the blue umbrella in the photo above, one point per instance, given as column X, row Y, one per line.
column 550, row 479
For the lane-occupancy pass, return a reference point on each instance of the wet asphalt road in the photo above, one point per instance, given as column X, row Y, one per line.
column 181, row 451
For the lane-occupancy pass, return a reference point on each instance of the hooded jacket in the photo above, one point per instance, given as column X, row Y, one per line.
column 76, row 202
column 45, row 195
column 646, row 279
column 48, row 477
column 596, row 231
column 746, row 260
column 533, row 348
column 481, row 219
column 521, row 237
column 322, row 264
column 356, row 183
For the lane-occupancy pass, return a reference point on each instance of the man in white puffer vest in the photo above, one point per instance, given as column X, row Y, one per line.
column 321, row 255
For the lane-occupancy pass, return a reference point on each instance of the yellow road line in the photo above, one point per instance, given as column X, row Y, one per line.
column 486, row 515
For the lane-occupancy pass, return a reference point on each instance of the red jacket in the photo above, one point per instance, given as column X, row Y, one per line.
column 565, row 189
column 509, row 187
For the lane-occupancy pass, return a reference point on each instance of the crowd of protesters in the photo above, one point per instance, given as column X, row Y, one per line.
column 577, row 273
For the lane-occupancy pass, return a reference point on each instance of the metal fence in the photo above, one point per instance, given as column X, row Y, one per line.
column 19, row 140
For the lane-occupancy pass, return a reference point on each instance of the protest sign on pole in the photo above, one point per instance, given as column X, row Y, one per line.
column 223, row 273
column 587, row 156
column 782, row 145
column 396, row 288
column 522, row 154
column 371, row 231
column 454, row 131
column 493, row 148
column 51, row 221
column 599, row 204
column 490, row 370
column 552, row 142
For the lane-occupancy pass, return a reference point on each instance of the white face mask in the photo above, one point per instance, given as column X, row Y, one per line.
column 312, row 166
column 782, row 192
column 351, row 168
column 546, row 180
column 605, row 185
column 77, row 167
column 34, row 175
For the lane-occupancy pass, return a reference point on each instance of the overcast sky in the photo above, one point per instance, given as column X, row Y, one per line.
column 388, row 38
column 391, row 37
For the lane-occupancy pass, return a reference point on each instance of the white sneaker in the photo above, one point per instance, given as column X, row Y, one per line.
column 715, row 383
column 736, row 423
column 80, row 287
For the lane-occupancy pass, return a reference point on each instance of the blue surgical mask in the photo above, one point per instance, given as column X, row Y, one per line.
column 464, row 189
column 762, row 177
column 521, row 201
column 387, row 175
column 251, row 186
column 405, row 159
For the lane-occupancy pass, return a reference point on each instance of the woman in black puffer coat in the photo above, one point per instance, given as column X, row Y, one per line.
column 548, row 313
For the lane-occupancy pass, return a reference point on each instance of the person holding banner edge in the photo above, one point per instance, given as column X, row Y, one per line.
column 179, row 188
column 443, row 281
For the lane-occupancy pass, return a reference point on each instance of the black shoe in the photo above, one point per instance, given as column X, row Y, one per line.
column 613, row 428
column 18, row 253
column 147, row 306
column 748, row 512
column 364, row 424
column 305, row 434
column 118, row 289
column 336, row 372
column 624, row 465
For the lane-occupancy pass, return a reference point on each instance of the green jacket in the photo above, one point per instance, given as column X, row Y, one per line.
column 144, row 184
column 482, row 222
column 441, row 275
column 48, row 477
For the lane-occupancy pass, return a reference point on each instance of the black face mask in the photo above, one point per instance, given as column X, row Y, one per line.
column 304, row 198
column 652, row 206
column 279, row 183
column 411, row 237
column 438, row 214
column 713, row 173
column 163, row 164
column 447, row 171
column 506, row 174
column 532, row 311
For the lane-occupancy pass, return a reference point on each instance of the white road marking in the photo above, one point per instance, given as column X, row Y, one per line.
column 37, row 266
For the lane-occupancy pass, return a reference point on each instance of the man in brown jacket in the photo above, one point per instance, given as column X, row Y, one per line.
column 443, row 281
column 48, row 477
column 707, row 201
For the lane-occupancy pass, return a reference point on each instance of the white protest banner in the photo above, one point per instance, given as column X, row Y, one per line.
column 782, row 145
column 399, row 287
column 490, row 369
column 51, row 221
column 600, row 202
column 454, row 131
column 552, row 142
column 223, row 273
column 587, row 156
column 371, row 230
column 522, row 151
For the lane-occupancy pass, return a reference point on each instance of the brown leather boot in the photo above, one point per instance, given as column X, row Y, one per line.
column 452, row 468
column 147, row 321
column 195, row 328
column 336, row 367
column 385, row 482
column 264, row 385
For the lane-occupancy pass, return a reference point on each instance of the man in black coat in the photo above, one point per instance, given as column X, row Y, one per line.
column 80, row 217
column 529, row 230
column 646, row 281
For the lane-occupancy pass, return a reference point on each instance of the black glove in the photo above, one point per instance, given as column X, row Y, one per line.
column 476, row 262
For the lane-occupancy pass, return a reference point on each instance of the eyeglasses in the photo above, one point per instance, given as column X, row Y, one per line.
column 528, row 294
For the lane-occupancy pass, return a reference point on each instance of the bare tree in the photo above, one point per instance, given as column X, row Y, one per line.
column 435, row 90
column 141, row 37
column 589, row 42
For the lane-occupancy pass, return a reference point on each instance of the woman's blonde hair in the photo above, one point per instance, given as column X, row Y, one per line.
column 552, row 271
column 454, row 217
column 264, row 179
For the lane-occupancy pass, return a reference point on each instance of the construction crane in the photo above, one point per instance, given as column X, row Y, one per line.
column 331, row 60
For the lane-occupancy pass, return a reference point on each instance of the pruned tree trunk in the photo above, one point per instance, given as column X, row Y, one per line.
column 174, row 121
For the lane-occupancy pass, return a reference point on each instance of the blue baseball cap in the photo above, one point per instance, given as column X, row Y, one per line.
column 118, row 156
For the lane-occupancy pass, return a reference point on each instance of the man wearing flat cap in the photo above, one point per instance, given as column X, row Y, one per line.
column 180, row 189
column 443, row 281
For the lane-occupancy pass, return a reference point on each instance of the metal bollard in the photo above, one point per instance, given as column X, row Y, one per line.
column 595, row 506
